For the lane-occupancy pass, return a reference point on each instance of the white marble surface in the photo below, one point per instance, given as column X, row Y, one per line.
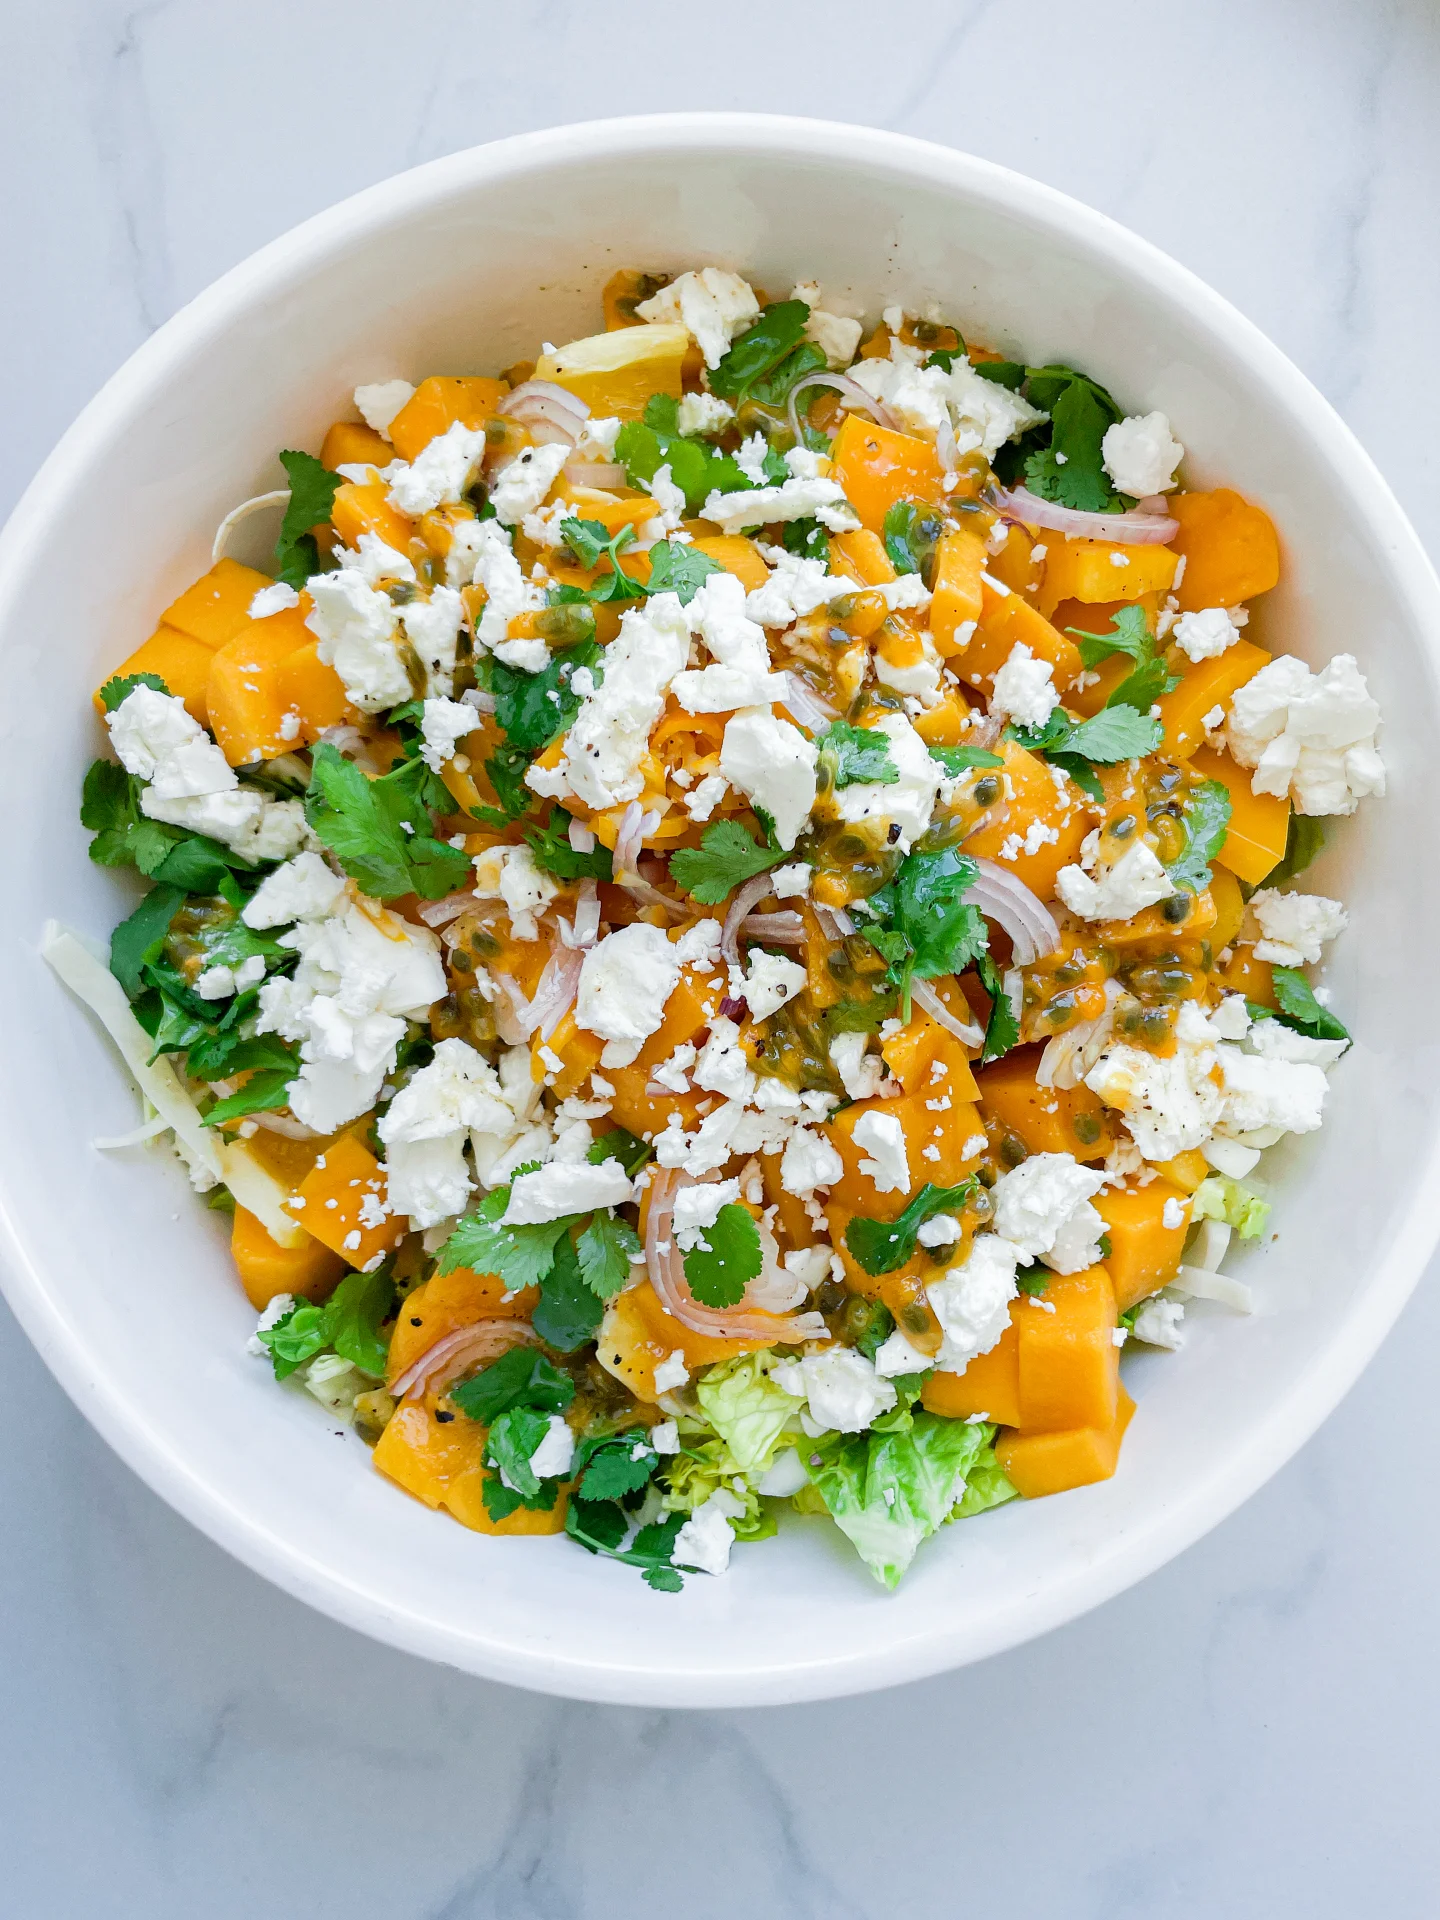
column 1251, row 1731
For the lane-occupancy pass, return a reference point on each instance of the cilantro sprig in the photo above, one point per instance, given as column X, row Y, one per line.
column 1078, row 746
column 351, row 1322
column 726, row 857
column 761, row 351
column 1207, row 810
column 926, row 927
column 1002, row 1030
column 125, row 837
column 313, row 488
column 850, row 755
column 550, row 845
column 676, row 567
column 882, row 1246
column 725, row 1259
column 1299, row 1008
column 381, row 830
column 1129, row 635
column 1062, row 459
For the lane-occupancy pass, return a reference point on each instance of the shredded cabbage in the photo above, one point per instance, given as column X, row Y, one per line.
column 1218, row 1197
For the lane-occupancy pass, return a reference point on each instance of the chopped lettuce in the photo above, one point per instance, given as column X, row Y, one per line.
column 889, row 1491
column 749, row 1412
column 985, row 1486
column 1220, row 1198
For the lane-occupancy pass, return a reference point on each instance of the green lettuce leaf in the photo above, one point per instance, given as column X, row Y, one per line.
column 749, row 1412
column 1218, row 1197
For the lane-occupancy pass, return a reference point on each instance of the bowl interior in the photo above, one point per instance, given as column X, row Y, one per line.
column 124, row 1281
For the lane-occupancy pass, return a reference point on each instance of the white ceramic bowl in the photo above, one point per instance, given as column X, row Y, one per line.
column 124, row 1283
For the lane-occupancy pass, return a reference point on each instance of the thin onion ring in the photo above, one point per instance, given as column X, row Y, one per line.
column 1133, row 529
column 924, row 995
column 457, row 1352
column 666, row 1270
column 1003, row 897
column 745, row 898
column 859, row 401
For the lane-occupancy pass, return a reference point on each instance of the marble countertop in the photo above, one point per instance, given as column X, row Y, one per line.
column 1250, row 1732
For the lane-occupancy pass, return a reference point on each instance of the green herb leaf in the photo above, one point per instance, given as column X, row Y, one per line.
column 912, row 532
column 312, row 500
column 508, row 1447
column 138, row 939
column 355, row 1313
column 726, row 1260
column 856, row 754
column 1002, row 1030
column 295, row 1338
column 567, row 1313
column 600, row 1525
column 123, row 685
column 760, row 348
column 553, row 852
column 643, row 447
column 532, row 709
column 958, row 760
column 261, row 1093
column 881, row 1246
column 1207, row 821
column 380, row 830
column 613, row 1467
column 622, row 1145
column 607, row 1250
column 523, row 1377
column 1301, row 1010
column 807, row 538
column 520, row 1256
column 678, row 568
column 944, row 932
column 1303, row 843
column 726, row 857
column 1080, row 413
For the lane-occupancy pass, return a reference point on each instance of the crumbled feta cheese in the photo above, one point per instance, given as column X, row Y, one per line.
column 443, row 725
column 697, row 1207
column 724, row 1066
column 836, row 336
column 801, row 497
column 707, row 795
column 1141, row 454
column 512, row 875
column 1261, row 1092
column 981, row 414
column 940, row 1230
column 1295, row 926
column 742, row 676
column 773, row 765
column 665, row 1438
column 882, row 1136
column 522, row 485
column 303, row 889
column 769, row 982
column 378, row 403
column 1171, row 1103
column 860, row 1072
column 1043, row 1208
column 355, row 626
column 797, row 585
column 276, row 598
column 1273, row 1040
column 674, row 1073
column 972, row 1302
column 1157, row 1322
column 1203, row 635
column 809, row 1162
column 191, row 784
column 906, row 803
column 1024, row 690
column 672, row 1374
column 625, row 981
column 703, row 413
column 1172, row 1214
column 1136, row 881
column 439, row 473
column 554, row 1192
column 896, row 1356
column 845, row 1393
column 507, row 592
column 1231, row 1019
column 705, row 1540
column 712, row 305
column 790, row 882
column 1311, row 736
column 609, row 735
column 425, row 1127
column 749, row 456
column 552, row 1457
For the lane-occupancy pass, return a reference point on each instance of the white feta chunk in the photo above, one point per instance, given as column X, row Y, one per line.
column 1311, row 736
column 1203, row 635
column 701, row 414
column 378, row 403
column 705, row 1540
column 443, row 725
column 1141, row 454
column 809, row 1162
column 1295, row 926
column 845, row 1393
column 609, row 735
column 773, row 765
column 1136, row 881
column 555, row 1451
column 972, row 1302
column 1024, row 690
column 882, row 1137
column 439, row 473
column 555, row 1191
column 711, row 304
column 355, row 626
column 769, row 981
column 1158, row 1322
column 625, row 981
column 904, row 806
column 523, row 483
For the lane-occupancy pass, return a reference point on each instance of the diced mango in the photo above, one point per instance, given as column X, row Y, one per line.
column 1185, row 1171
column 1204, row 685
column 935, row 1146
column 1037, row 795
column 441, row 402
column 315, row 693
column 246, row 694
column 1006, row 622
column 367, row 509
column 266, row 1268
column 617, row 372
column 1040, row 1463
column 878, row 467
column 218, row 605
column 990, row 1385
column 1144, row 1252
column 959, row 562
column 1048, row 1119
column 737, row 554
column 346, row 1181
column 638, row 1335
column 914, row 1055
column 1101, row 570
column 181, row 662
column 1069, row 1363
column 1180, row 915
column 1229, row 905
column 350, row 444
column 1259, row 822
column 1254, row 978
column 443, row 1465
column 1231, row 549
column 447, row 1302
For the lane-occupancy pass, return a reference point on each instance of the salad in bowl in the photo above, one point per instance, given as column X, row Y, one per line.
column 724, row 920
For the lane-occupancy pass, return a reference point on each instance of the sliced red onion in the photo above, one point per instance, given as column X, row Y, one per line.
column 600, row 476
column 459, row 1352
column 854, row 395
column 835, row 922
column 924, row 995
column 512, row 1011
column 555, row 995
column 1004, row 898
column 275, row 503
column 282, row 1123
column 581, row 839
column 732, row 1008
column 667, row 1276
column 745, row 899
column 650, row 896
column 1133, row 529
column 551, row 413
column 783, row 929
column 347, row 738
column 439, row 913
column 805, row 705
column 626, row 855
column 583, row 931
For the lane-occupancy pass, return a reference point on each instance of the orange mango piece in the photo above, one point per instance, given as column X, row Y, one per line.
column 1144, row 1253
column 305, row 686
column 862, row 554
column 309, row 1271
column 244, row 692
column 959, row 563
column 1259, row 822
column 447, row 1302
column 877, row 467
column 438, row 403
column 1254, row 978
column 1036, row 796
column 1069, row 1363
column 345, row 1181
column 218, row 605
column 913, row 1056
column 617, row 372
column 1100, row 570
column 1041, row 1463
column 1048, row 1119
column 638, row 1335
column 1185, row 1171
column 691, row 1007
column 935, row 1150
column 946, row 723
column 1204, row 685
column 442, row 1463
column 737, row 554
column 367, row 509
column 181, row 662
column 1231, row 549
column 1007, row 621
column 989, row 1385
column 348, row 443
column 1194, row 915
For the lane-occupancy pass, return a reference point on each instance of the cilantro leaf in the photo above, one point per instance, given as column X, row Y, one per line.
column 622, row 1145
column 881, row 1246
column 295, row 1338
column 350, row 1321
column 567, row 1313
column 223, row 1050
column 1207, row 822
column 523, row 1377
column 1301, row 1010
column 912, row 532
column 958, row 760
column 591, row 543
column 600, row 1525
column 945, row 933
column 1071, row 469
column 726, row 1259
column 807, row 538
column 380, row 830
column 644, row 446
column 508, row 1446
column 312, row 500
column 677, row 567
column 760, row 348
column 520, row 1256
column 618, row 1464
column 1129, row 635
column 1303, row 844
column 1002, row 1030
column 532, row 709
column 550, row 844
column 607, row 1249
column 726, row 857
column 854, row 754
column 1005, row 373
column 773, row 389
column 140, row 937
column 1115, row 733
column 122, row 686
column 261, row 1093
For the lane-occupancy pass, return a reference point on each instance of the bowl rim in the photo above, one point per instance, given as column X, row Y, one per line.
column 1137, row 1550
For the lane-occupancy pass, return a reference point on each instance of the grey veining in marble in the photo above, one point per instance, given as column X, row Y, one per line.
column 1249, row 1733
